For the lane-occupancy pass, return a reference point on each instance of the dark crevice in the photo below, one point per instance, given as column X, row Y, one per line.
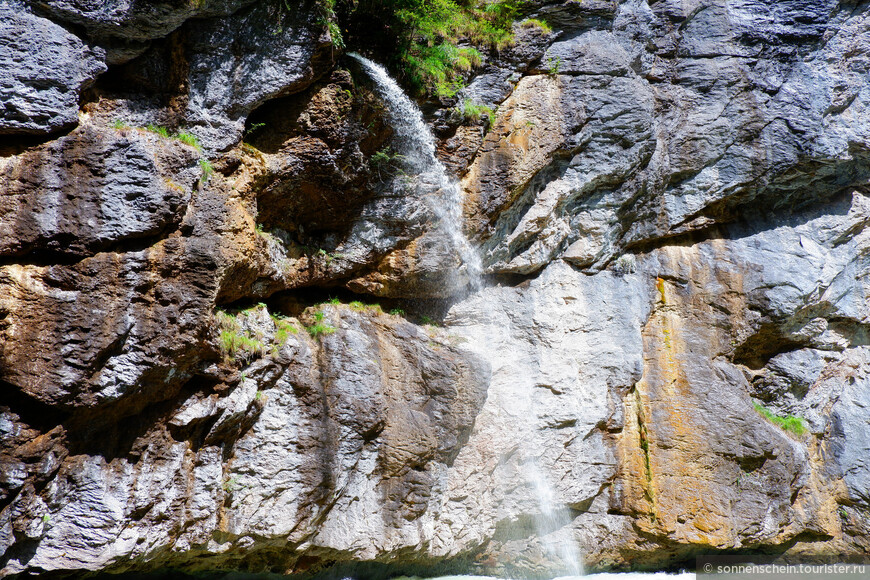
column 767, row 342
column 17, row 144
column 295, row 302
column 751, row 220
column 515, row 280
column 34, row 413
column 129, row 435
column 46, row 257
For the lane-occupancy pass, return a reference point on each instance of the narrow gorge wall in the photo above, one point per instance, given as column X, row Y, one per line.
column 242, row 352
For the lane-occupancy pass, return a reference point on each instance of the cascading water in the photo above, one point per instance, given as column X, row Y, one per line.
column 416, row 144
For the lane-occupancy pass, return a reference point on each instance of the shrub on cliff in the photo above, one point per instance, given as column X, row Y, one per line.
column 438, row 40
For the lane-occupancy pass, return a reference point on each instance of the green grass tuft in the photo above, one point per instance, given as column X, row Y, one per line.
column 161, row 131
column 538, row 25
column 316, row 330
column 474, row 112
column 207, row 169
column 189, row 139
column 790, row 423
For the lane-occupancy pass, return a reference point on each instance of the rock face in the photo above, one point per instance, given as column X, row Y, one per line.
column 44, row 68
column 306, row 445
column 89, row 190
column 670, row 356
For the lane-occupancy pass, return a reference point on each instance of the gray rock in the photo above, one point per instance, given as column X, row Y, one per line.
column 850, row 424
column 716, row 152
column 231, row 66
column 335, row 442
column 732, row 119
column 43, row 69
column 133, row 21
column 91, row 189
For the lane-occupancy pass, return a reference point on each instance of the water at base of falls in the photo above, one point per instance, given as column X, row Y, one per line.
column 415, row 142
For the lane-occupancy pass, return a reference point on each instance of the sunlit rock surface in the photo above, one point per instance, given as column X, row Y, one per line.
column 43, row 69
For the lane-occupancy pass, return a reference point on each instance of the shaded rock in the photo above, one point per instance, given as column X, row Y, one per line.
column 212, row 73
column 43, row 69
column 133, row 21
column 850, row 418
column 105, row 314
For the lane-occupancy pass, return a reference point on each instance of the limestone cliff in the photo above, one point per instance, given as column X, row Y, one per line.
column 671, row 202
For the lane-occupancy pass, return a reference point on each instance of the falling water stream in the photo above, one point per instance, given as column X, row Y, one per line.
column 415, row 142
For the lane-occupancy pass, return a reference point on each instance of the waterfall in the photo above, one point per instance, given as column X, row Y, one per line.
column 415, row 142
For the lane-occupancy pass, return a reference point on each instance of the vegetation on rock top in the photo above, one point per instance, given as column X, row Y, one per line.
column 790, row 423
column 436, row 41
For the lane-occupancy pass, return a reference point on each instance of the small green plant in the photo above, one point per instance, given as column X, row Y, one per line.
column 240, row 345
column 315, row 330
column 397, row 312
column 327, row 21
column 189, row 139
column 207, row 169
column 46, row 518
column 119, row 125
column 357, row 305
column 254, row 128
column 160, row 131
column 318, row 316
column 790, row 423
column 554, row 65
column 427, row 321
column 333, row 301
column 232, row 484
column 242, row 337
column 236, row 343
column 283, row 330
column 259, row 395
column 473, row 112
column 386, row 163
column 539, row 26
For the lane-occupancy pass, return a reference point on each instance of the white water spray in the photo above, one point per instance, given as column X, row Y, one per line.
column 415, row 142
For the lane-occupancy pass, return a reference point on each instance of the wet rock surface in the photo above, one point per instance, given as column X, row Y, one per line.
column 673, row 349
